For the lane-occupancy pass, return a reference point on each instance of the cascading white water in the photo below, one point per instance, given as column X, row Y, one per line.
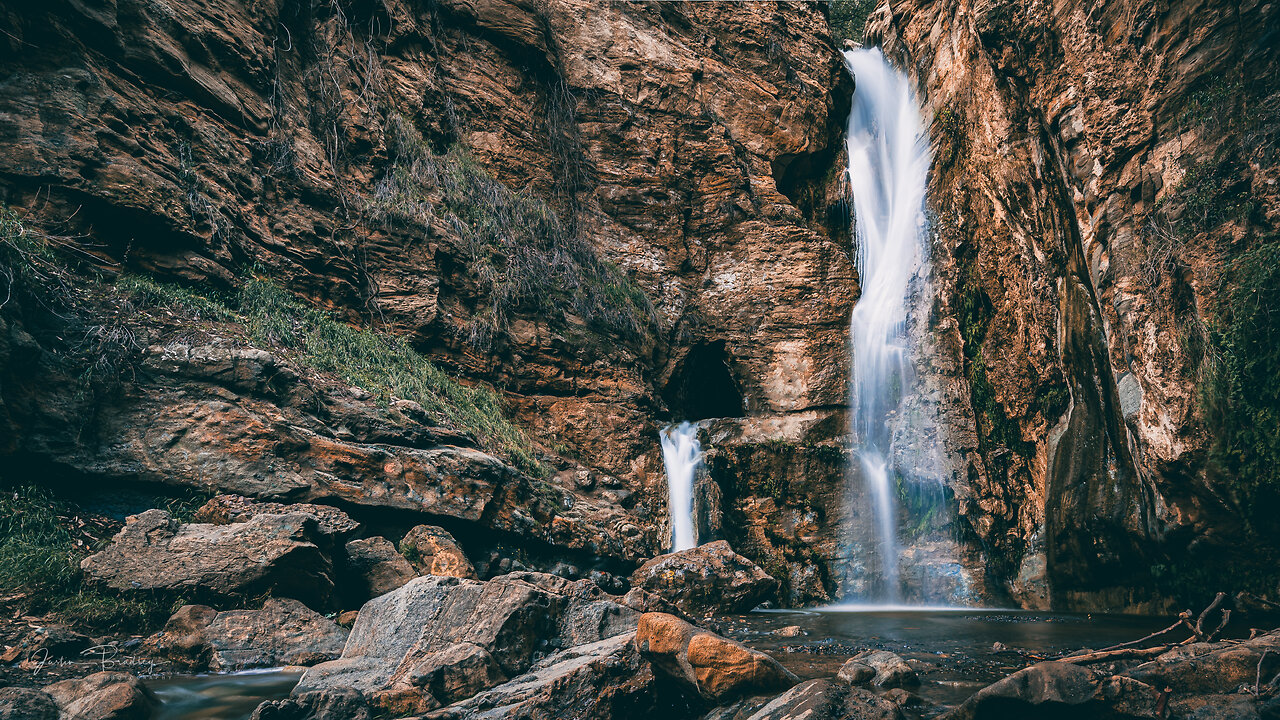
column 888, row 168
column 681, row 455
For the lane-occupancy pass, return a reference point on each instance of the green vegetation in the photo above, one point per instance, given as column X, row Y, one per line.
column 514, row 245
column 383, row 365
column 1241, row 394
column 24, row 257
column 40, row 567
column 146, row 292
column 848, row 18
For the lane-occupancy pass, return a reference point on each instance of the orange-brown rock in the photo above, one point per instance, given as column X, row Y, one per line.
column 104, row 696
column 433, row 551
column 710, row 578
column 718, row 668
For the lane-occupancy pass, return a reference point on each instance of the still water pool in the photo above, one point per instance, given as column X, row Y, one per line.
column 954, row 650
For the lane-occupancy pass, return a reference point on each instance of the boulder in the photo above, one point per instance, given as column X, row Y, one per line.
column 26, row 704
column 276, row 554
column 827, row 700
column 455, row 672
column 392, row 653
column 1215, row 707
column 887, row 670
column 283, row 632
column 227, row 509
column 103, row 696
column 433, row 551
column 604, row 680
column 855, row 672
column 711, row 578
column 1059, row 690
column 1212, row 668
column 717, row 668
column 374, row 567
column 316, row 705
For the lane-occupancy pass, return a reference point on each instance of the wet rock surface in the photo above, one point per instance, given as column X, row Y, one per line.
column 103, row 696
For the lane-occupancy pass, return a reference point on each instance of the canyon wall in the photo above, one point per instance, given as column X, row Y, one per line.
column 619, row 214
column 1103, row 176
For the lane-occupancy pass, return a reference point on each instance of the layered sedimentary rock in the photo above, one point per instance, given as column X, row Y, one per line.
column 1078, row 283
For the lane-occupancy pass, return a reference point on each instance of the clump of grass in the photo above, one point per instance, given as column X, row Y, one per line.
column 24, row 257
column 383, row 365
column 40, row 568
column 520, row 254
column 147, row 292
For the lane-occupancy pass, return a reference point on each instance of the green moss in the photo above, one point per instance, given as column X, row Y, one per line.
column 40, row 565
column 25, row 258
column 514, row 245
column 848, row 18
column 1241, row 395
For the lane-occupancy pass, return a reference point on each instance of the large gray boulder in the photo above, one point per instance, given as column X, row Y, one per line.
column 604, row 680
column 1060, row 690
column 283, row 632
column 268, row 554
column 827, row 700
column 710, row 578
column 495, row 628
column 887, row 670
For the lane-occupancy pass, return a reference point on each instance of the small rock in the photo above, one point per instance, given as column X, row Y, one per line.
column 998, row 647
column 433, row 551
column 348, row 618
column 790, row 631
column 374, row 567
column 103, row 696
column 890, row 670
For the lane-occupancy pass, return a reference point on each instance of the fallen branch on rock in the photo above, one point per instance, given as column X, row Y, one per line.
column 1127, row 651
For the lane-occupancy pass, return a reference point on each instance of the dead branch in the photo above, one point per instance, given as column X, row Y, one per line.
column 1123, row 654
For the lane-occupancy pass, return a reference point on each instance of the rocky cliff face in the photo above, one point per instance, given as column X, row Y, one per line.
column 621, row 214
column 1103, row 174
column 613, row 213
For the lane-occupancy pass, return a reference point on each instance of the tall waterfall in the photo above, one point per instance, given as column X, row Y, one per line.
column 888, row 166
column 681, row 455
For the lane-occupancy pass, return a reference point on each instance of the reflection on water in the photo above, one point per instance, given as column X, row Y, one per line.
column 953, row 648
column 220, row 697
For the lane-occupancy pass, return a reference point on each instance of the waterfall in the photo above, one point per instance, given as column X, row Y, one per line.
column 888, row 166
column 681, row 455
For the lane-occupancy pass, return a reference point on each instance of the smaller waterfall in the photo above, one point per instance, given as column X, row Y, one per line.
column 681, row 454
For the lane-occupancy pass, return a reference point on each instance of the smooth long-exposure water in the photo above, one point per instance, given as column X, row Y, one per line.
column 681, row 455
column 888, row 170
column 220, row 697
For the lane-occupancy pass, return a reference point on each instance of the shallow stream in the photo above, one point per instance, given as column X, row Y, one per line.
column 953, row 651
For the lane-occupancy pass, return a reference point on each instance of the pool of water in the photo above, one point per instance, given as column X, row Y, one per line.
column 954, row 650
column 220, row 697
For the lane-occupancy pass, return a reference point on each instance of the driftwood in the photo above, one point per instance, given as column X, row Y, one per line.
column 1126, row 651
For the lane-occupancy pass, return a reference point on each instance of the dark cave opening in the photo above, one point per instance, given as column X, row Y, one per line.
column 703, row 386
